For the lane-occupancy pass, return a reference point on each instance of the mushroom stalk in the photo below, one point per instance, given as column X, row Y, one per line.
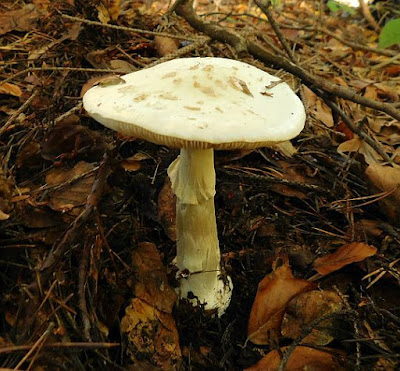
column 192, row 176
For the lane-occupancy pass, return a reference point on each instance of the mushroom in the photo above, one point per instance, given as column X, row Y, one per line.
column 198, row 105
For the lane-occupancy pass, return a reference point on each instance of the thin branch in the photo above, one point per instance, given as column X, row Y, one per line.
column 265, row 8
column 21, row 109
column 60, row 346
column 129, row 29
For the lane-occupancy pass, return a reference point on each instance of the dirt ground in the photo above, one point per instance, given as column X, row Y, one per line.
column 87, row 227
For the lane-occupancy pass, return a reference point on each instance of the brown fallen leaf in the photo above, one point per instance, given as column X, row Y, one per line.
column 23, row 19
column 151, row 335
column 344, row 255
column 109, row 10
column 151, row 283
column 387, row 179
column 323, row 113
column 308, row 307
column 72, row 197
column 71, row 141
column 6, row 189
column 165, row 45
column 302, row 358
column 10, row 89
column 134, row 163
column 366, row 227
column 273, row 294
column 358, row 145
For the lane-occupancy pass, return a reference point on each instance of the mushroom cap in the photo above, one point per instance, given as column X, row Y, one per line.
column 199, row 103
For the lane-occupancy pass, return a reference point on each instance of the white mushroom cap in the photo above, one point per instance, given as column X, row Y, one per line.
column 199, row 103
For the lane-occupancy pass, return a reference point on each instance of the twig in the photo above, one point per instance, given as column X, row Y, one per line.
column 265, row 8
column 386, row 62
column 61, row 346
column 37, row 345
column 82, row 292
column 129, row 29
column 270, row 179
column 74, row 69
column 368, row 16
column 353, row 45
column 180, row 52
column 21, row 109
column 78, row 107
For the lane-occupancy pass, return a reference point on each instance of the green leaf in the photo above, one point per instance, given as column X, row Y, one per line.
column 334, row 6
column 390, row 34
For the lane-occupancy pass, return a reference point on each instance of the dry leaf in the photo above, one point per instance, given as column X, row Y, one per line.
column 72, row 197
column 310, row 98
column 308, row 307
column 358, row 145
column 71, row 141
column 344, row 255
column 151, row 334
column 323, row 113
column 133, row 163
column 151, row 278
column 122, row 66
column 23, row 19
column 366, row 228
column 109, row 10
column 6, row 188
column 98, row 80
column 10, row 89
column 387, row 179
column 302, row 358
column 273, row 294
column 165, row 45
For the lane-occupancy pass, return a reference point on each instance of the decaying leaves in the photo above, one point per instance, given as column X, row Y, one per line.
column 344, row 255
column 273, row 294
column 151, row 283
column 109, row 10
column 387, row 179
column 151, row 334
column 10, row 89
column 358, row 145
column 6, row 188
column 165, row 45
column 71, row 141
column 307, row 308
column 302, row 358
column 77, row 183
column 134, row 163
column 23, row 19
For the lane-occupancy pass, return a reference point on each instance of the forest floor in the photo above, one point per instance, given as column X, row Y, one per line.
column 87, row 233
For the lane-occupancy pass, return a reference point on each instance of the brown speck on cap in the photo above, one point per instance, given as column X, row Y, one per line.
column 168, row 75
column 192, row 108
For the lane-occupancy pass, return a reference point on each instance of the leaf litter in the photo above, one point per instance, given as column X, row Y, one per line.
column 87, row 224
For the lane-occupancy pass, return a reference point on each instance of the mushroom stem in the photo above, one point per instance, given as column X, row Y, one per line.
column 192, row 176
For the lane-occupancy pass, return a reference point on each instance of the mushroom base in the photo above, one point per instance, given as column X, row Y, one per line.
column 198, row 257
column 213, row 290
